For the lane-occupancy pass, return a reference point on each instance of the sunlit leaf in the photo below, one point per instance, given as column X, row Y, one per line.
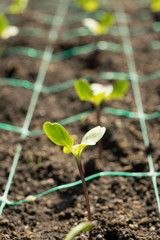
column 99, row 27
column 3, row 23
column 81, row 227
column 58, row 134
column 79, row 149
column 18, row 6
column 91, row 24
column 93, row 135
column 107, row 19
column 66, row 150
column 155, row 6
column 119, row 89
column 98, row 99
column 88, row 5
column 10, row 31
column 91, row 5
column 83, row 90
column 99, row 88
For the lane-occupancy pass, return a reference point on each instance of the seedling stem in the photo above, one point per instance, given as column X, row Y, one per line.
column 80, row 168
column 58, row 134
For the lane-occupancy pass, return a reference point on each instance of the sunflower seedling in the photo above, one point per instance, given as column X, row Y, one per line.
column 97, row 93
column 99, row 27
column 6, row 30
column 155, row 9
column 59, row 135
column 81, row 227
column 88, row 5
column 17, row 7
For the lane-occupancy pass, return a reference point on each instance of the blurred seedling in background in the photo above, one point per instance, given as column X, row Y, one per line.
column 58, row 134
column 88, row 5
column 81, row 227
column 102, row 26
column 7, row 31
column 155, row 5
column 97, row 94
column 155, row 9
column 17, row 7
column 37, row 162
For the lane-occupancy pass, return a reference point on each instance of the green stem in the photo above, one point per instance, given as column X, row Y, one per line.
column 85, row 194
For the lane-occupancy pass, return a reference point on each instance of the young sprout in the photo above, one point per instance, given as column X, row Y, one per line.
column 98, row 93
column 155, row 9
column 102, row 26
column 6, row 30
column 88, row 5
column 155, row 6
column 18, row 6
column 81, row 227
column 58, row 134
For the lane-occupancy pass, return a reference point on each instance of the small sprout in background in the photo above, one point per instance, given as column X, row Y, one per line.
column 58, row 134
column 17, row 7
column 98, row 93
column 39, row 161
column 81, row 227
column 155, row 5
column 102, row 26
column 6, row 30
column 3, row 23
column 155, row 9
column 88, row 5
column 36, row 162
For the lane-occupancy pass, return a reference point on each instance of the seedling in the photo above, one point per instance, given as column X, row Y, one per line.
column 88, row 5
column 81, row 227
column 37, row 162
column 18, row 6
column 59, row 135
column 100, row 27
column 155, row 6
column 98, row 93
column 6, row 30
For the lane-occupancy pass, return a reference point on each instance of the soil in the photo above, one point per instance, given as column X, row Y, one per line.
column 123, row 208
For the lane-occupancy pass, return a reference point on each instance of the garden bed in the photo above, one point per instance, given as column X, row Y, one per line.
column 122, row 207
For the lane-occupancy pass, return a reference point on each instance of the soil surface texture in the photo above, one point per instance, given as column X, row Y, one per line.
column 123, row 207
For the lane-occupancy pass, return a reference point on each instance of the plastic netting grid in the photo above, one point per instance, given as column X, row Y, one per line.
column 48, row 56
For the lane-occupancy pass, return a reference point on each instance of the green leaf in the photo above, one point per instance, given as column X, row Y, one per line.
column 155, row 6
column 89, row 5
column 93, row 135
column 58, row 134
column 83, row 90
column 100, row 27
column 78, row 150
column 10, row 31
column 98, row 99
column 100, row 92
column 81, row 227
column 66, row 150
column 18, row 6
column 119, row 89
column 3, row 23
column 90, row 138
column 107, row 20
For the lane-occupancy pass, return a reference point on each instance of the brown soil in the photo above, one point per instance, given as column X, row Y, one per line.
column 123, row 208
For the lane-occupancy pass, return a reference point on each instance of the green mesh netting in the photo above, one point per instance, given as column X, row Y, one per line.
column 48, row 55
